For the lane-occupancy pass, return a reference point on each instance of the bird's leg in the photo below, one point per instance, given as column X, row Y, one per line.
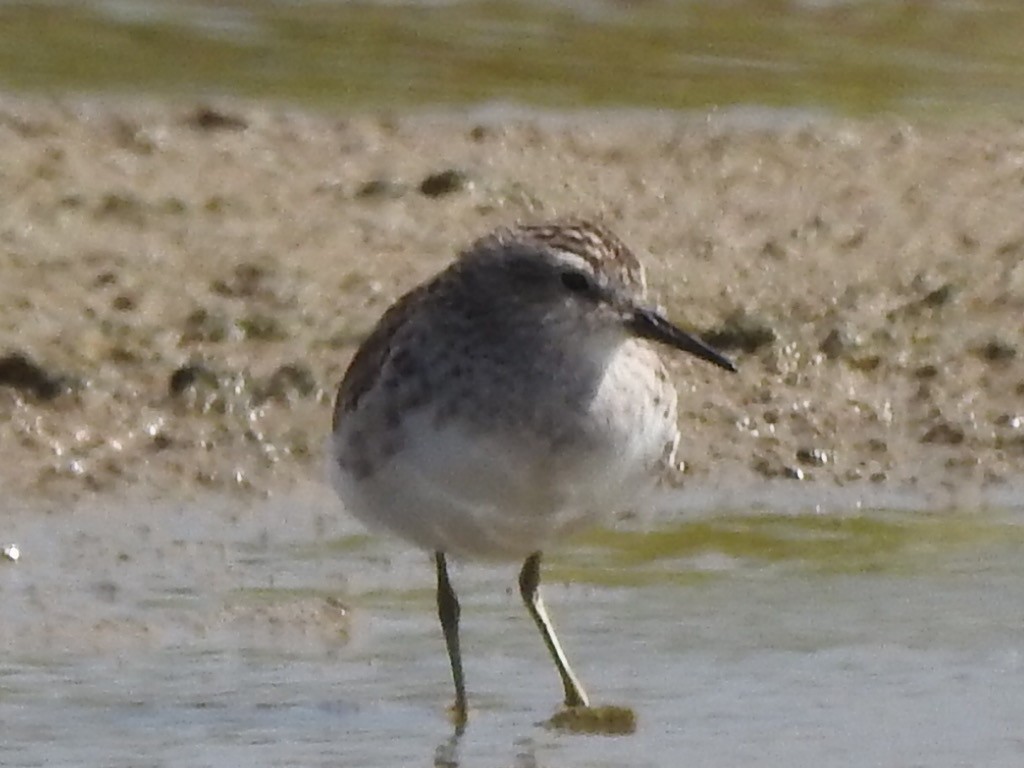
column 529, row 588
column 448, row 612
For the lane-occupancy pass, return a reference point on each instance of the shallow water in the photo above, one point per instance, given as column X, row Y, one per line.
column 210, row 633
column 855, row 56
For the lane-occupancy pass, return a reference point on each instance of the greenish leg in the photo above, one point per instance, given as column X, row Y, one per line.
column 529, row 588
column 448, row 612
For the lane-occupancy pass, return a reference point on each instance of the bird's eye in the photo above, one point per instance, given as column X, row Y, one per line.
column 576, row 282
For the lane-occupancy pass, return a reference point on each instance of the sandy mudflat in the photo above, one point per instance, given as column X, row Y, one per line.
column 182, row 285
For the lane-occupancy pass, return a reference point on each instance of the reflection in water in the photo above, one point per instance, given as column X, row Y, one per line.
column 526, row 756
column 447, row 753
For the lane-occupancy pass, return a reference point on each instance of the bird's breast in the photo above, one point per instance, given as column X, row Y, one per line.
column 508, row 472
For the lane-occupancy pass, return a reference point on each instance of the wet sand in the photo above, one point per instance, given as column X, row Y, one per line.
column 183, row 284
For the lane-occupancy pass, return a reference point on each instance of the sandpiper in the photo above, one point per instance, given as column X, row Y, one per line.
column 509, row 401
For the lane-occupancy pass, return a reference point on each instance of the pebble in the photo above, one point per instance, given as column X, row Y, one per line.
column 814, row 457
column 444, row 183
column 997, row 351
column 191, row 376
column 210, row 119
column 944, row 433
column 20, row 372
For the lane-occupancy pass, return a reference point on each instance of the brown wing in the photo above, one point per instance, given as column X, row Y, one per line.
column 369, row 359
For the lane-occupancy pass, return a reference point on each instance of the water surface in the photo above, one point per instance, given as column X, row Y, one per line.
column 212, row 633
column 944, row 57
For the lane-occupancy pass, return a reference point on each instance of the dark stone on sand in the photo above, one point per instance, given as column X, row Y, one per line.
column 997, row 351
column 18, row 371
column 443, row 183
column 944, row 433
column 191, row 376
column 939, row 297
column 209, row 119
column 123, row 303
column 793, row 473
column 812, row 457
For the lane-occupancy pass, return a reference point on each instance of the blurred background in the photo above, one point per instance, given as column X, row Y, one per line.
column 850, row 57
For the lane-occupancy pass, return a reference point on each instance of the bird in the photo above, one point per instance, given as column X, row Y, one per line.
column 510, row 400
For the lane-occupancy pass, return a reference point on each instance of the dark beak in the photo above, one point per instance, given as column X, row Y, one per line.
column 648, row 324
